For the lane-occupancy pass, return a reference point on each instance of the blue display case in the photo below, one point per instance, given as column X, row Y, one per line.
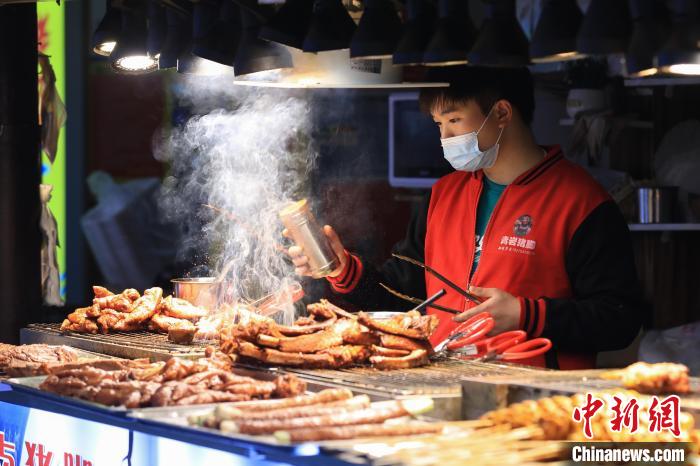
column 41, row 431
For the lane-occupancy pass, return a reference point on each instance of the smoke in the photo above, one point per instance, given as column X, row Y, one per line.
column 247, row 152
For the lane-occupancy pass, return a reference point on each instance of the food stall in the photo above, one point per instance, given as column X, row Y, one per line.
column 210, row 316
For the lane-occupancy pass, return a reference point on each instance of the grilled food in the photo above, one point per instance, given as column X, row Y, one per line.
column 411, row 324
column 181, row 309
column 341, row 340
column 357, row 431
column 657, row 378
column 175, row 382
column 31, row 360
column 327, row 415
column 414, row 359
column 339, row 416
column 129, row 311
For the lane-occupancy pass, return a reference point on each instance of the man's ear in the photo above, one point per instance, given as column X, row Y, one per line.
column 503, row 111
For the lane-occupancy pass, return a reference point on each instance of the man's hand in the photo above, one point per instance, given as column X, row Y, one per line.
column 301, row 261
column 503, row 307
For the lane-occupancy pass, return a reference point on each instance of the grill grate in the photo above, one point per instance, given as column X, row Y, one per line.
column 430, row 379
column 139, row 344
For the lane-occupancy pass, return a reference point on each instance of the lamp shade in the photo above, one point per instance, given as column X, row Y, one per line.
column 130, row 55
column 649, row 33
column 178, row 33
column 290, row 24
column 417, row 32
column 331, row 27
column 681, row 53
column 104, row 39
column 216, row 31
column 378, row 32
column 554, row 38
column 454, row 34
column 254, row 54
column 501, row 40
column 605, row 29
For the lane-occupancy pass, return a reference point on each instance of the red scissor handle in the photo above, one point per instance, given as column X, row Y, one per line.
column 473, row 330
column 527, row 349
column 465, row 326
column 503, row 341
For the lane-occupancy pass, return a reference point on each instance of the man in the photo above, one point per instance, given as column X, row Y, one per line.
column 529, row 232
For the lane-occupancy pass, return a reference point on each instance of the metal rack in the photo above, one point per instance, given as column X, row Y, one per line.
column 140, row 344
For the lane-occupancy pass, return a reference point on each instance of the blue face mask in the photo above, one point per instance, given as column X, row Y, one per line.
column 463, row 151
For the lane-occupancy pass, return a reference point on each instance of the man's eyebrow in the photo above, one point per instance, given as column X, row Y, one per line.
column 447, row 110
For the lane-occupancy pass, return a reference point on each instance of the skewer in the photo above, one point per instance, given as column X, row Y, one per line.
column 417, row 300
column 430, row 300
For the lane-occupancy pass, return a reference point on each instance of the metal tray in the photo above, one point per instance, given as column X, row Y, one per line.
column 177, row 416
column 83, row 354
column 30, row 385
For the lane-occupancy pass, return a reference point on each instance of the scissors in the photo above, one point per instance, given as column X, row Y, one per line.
column 469, row 339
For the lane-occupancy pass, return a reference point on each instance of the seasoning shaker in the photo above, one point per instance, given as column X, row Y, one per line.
column 307, row 234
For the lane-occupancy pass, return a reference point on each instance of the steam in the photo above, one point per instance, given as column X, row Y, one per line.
column 247, row 152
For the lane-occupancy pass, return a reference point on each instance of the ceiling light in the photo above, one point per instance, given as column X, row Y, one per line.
column 290, row 24
column 418, row 30
column 104, row 39
column 254, row 54
column 454, row 34
column 130, row 55
column 554, row 38
column 378, row 32
column 501, row 40
column 177, row 38
column 216, row 31
column 681, row 53
column 605, row 28
column 331, row 27
column 649, row 33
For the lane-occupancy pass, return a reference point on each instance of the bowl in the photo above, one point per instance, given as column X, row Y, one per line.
column 200, row 291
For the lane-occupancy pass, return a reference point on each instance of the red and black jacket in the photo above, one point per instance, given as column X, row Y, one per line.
column 556, row 240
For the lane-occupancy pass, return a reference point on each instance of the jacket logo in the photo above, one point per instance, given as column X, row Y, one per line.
column 523, row 225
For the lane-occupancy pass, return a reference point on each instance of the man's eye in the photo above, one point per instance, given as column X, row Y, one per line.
column 454, row 120
column 437, row 123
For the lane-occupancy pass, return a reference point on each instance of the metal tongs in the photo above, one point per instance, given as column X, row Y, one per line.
column 439, row 276
column 473, row 298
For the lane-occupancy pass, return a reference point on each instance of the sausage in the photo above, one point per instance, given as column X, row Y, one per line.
column 324, row 396
column 353, row 404
column 374, row 415
column 357, row 431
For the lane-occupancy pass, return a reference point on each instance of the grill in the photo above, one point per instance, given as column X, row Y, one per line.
column 131, row 345
column 420, row 380
column 462, row 389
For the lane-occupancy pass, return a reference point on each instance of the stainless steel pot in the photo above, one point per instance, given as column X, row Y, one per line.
column 656, row 204
column 200, row 291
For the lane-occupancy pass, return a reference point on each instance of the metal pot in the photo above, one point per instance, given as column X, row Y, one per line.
column 656, row 204
column 200, row 291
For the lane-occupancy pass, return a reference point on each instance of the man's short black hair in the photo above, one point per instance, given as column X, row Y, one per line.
column 484, row 85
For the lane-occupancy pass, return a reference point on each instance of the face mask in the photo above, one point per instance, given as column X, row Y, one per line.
column 463, row 151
